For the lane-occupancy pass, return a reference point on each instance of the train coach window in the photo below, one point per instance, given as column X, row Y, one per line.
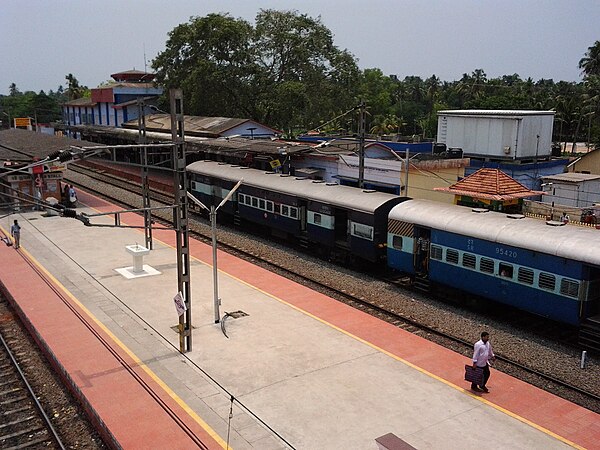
column 525, row 275
column 506, row 270
column 261, row 204
column 317, row 219
column 436, row 252
column 362, row 231
column 285, row 210
column 293, row 212
column 469, row 260
column 569, row 288
column 547, row 281
column 397, row 242
column 255, row 202
column 452, row 256
column 486, row 265
column 276, row 208
column 270, row 206
column 241, row 198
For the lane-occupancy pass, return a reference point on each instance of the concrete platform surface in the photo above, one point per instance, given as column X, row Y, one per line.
column 304, row 370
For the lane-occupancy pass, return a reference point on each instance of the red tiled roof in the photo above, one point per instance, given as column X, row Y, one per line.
column 491, row 184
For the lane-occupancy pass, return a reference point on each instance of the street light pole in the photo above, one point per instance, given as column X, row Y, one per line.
column 213, row 226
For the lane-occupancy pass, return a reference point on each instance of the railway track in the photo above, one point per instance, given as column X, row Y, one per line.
column 24, row 423
column 504, row 363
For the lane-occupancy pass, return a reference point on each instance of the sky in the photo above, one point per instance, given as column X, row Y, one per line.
column 41, row 41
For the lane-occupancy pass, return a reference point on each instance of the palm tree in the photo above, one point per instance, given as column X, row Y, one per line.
column 590, row 63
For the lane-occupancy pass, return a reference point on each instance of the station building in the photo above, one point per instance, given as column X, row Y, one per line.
column 114, row 103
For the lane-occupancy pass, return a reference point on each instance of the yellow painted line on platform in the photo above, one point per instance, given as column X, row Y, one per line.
column 132, row 355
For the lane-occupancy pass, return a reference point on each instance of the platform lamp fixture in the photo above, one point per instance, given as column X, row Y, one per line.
column 213, row 225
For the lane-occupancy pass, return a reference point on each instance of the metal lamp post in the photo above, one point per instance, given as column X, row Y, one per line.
column 213, row 226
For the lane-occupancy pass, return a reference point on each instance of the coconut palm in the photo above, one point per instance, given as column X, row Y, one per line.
column 590, row 63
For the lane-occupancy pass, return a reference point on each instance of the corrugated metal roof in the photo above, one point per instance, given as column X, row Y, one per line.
column 84, row 101
column 24, row 144
column 491, row 184
column 494, row 112
column 345, row 196
column 210, row 126
column 571, row 242
column 572, row 177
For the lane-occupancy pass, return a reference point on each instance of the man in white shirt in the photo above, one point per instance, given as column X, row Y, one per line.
column 482, row 355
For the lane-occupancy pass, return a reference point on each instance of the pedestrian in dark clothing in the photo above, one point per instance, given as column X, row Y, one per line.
column 482, row 355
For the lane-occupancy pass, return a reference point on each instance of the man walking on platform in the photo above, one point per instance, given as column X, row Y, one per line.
column 482, row 355
column 15, row 232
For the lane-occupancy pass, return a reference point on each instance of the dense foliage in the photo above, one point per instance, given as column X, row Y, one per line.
column 45, row 108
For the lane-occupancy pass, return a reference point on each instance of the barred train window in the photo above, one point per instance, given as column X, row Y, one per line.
column 284, row 210
column 469, row 260
column 436, row 252
column 270, row 206
column 547, row 281
column 317, row 219
column 241, row 198
column 255, row 202
column 261, row 204
column 525, row 275
column 569, row 288
column 397, row 242
column 293, row 212
column 452, row 256
column 277, row 208
column 486, row 265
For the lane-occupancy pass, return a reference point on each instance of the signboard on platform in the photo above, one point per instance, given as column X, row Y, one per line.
column 180, row 305
column 22, row 122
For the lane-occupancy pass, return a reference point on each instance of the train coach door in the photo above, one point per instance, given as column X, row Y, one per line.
column 422, row 243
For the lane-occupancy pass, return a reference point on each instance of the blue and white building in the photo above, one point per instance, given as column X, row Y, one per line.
column 115, row 103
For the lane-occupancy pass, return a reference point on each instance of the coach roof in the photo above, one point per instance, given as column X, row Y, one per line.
column 571, row 242
column 329, row 193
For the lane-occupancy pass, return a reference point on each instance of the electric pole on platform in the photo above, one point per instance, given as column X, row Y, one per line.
column 180, row 217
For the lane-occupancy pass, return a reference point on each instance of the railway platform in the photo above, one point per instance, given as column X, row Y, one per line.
column 296, row 369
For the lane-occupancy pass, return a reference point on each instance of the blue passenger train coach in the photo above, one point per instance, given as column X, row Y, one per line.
column 552, row 271
column 334, row 220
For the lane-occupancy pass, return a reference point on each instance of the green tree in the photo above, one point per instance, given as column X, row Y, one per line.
column 74, row 89
column 590, row 63
column 285, row 71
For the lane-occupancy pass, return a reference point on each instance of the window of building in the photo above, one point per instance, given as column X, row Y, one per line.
column 452, row 256
column 547, row 281
column 569, row 288
column 469, row 260
column 436, row 252
column 486, row 265
column 525, row 275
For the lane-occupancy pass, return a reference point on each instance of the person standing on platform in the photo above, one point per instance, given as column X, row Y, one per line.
column 72, row 197
column 15, row 232
column 482, row 355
